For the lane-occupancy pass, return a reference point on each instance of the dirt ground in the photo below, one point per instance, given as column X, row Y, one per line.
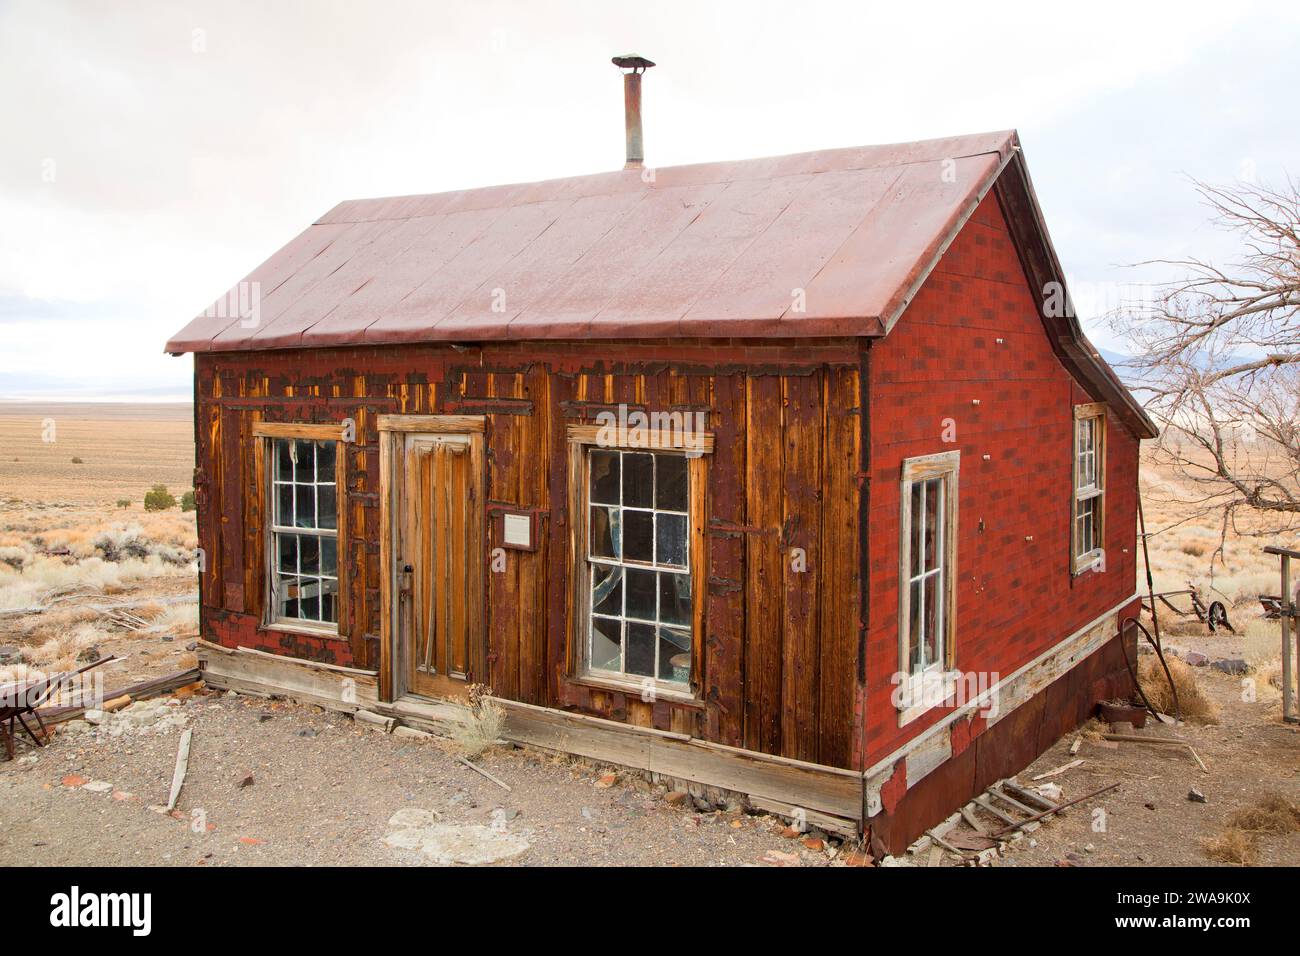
column 323, row 790
column 120, row 580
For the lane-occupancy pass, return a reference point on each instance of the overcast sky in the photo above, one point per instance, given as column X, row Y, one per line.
column 154, row 153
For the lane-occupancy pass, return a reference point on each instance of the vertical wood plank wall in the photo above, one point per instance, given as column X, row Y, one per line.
column 781, row 591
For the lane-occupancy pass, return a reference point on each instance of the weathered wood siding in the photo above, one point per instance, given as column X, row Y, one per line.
column 780, row 658
column 970, row 360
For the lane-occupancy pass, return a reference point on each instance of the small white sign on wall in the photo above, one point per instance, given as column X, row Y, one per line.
column 517, row 531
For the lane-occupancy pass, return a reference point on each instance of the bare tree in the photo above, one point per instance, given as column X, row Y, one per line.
column 1217, row 356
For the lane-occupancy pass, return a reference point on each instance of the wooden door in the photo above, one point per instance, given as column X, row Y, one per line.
column 439, row 563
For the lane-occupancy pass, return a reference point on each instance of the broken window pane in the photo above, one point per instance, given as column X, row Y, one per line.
column 633, row 497
column 606, row 644
column 674, row 655
column 606, row 589
column 304, row 496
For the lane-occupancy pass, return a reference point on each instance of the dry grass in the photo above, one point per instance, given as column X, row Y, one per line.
column 482, row 730
column 1231, row 846
column 180, row 619
column 1271, row 813
column 1195, row 704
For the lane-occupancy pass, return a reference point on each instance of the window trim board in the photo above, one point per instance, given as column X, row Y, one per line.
column 264, row 435
column 1083, row 563
column 581, row 438
column 945, row 465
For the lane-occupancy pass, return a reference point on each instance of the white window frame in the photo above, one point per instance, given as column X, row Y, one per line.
column 1088, row 470
column 927, row 688
column 584, row 439
column 267, row 434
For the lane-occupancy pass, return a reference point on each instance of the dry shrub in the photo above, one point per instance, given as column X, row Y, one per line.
column 1271, row 813
column 1094, row 730
column 1231, row 846
column 60, row 653
column 1196, row 706
column 482, row 730
column 179, row 619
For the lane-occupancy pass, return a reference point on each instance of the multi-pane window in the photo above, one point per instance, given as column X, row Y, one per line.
column 304, row 531
column 925, row 583
column 638, row 560
column 926, row 562
column 1089, row 487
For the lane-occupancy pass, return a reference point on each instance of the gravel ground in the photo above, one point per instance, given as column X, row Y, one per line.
column 323, row 790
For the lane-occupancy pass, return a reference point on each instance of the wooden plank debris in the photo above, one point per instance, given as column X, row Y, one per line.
column 477, row 769
column 1060, row 770
column 182, row 765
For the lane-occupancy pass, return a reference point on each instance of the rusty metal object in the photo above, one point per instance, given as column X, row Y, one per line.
column 21, row 698
column 633, row 66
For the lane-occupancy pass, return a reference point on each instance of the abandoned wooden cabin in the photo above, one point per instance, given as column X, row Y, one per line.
column 795, row 476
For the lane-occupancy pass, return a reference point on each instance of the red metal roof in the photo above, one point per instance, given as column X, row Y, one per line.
column 711, row 250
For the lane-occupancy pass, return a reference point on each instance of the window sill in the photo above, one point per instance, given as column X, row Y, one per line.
column 1095, row 561
column 635, row 688
column 298, row 627
column 923, row 693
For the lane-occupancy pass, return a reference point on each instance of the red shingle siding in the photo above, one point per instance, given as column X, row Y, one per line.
column 1015, row 597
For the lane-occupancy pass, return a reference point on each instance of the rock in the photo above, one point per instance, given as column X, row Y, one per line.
column 263, row 718
column 791, row 833
column 93, row 717
column 470, row 844
column 781, row 858
column 74, row 780
column 414, row 817
column 1230, row 665
column 1195, row 796
column 1196, row 659
column 89, row 654
column 309, row 732
column 676, row 798
column 76, row 727
column 1088, row 848
column 505, row 813
column 97, row 786
column 192, row 646
column 10, row 653
column 606, row 781
column 702, row 805
column 814, row 843
column 1149, row 806
column 244, row 781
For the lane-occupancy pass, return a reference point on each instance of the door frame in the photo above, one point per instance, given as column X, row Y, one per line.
column 393, row 430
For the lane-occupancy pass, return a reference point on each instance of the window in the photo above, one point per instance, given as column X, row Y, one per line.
column 302, row 464
column 927, row 577
column 638, row 549
column 1087, row 540
column 637, row 545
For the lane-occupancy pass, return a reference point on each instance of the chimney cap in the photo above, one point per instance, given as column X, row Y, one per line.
column 630, row 61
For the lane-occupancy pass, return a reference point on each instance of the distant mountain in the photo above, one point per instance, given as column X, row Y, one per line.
column 24, row 387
